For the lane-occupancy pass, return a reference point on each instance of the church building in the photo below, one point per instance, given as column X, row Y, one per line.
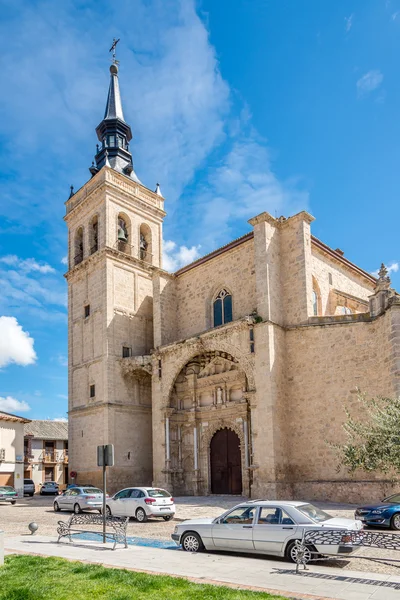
column 228, row 376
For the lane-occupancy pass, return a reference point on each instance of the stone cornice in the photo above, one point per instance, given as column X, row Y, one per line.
column 106, row 251
column 92, row 408
column 215, row 332
column 115, row 181
column 265, row 217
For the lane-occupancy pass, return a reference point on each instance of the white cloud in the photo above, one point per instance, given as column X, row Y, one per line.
column 16, row 345
column 349, row 22
column 11, row 405
column 60, row 419
column 62, row 396
column 26, row 265
column 30, row 288
column 392, row 268
column 395, row 15
column 241, row 186
column 64, row 260
column 175, row 257
column 369, row 82
column 175, row 98
column 62, row 360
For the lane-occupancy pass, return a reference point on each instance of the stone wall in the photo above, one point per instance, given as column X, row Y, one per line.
column 324, row 367
column 332, row 275
column 196, row 289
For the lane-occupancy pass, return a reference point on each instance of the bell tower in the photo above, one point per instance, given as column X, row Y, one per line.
column 114, row 244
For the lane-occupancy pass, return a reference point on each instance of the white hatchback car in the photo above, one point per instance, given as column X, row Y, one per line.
column 262, row 527
column 142, row 503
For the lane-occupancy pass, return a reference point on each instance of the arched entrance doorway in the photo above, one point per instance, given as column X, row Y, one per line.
column 226, row 463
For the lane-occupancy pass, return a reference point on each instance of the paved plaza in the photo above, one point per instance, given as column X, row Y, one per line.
column 258, row 573
column 355, row 579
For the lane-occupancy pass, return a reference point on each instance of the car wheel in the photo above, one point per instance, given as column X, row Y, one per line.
column 108, row 511
column 168, row 517
column 191, row 542
column 395, row 522
column 293, row 552
column 56, row 507
column 13, row 502
column 31, row 495
column 77, row 509
column 141, row 515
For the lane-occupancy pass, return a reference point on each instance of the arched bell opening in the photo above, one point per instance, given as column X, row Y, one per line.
column 145, row 243
column 124, row 233
column 94, row 234
column 78, row 246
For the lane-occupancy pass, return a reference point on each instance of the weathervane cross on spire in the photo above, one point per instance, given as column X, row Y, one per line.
column 113, row 50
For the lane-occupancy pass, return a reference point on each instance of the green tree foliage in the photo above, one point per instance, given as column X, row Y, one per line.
column 373, row 438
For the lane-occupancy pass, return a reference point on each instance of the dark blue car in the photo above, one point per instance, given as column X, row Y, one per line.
column 384, row 514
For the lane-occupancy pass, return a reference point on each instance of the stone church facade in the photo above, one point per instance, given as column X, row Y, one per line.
column 228, row 376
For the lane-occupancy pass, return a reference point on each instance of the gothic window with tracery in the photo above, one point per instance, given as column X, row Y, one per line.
column 222, row 308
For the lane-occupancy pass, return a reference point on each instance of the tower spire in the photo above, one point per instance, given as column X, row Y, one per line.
column 113, row 132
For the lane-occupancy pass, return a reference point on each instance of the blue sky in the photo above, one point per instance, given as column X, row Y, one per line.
column 236, row 107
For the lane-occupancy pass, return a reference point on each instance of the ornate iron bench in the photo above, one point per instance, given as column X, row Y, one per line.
column 117, row 525
column 347, row 539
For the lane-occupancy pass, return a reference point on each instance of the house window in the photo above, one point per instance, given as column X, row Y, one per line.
column 330, row 278
column 92, row 391
column 222, row 308
column 87, row 310
column 126, row 351
column 345, row 310
column 111, row 141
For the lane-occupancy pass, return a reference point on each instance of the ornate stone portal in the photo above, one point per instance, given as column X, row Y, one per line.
column 209, row 394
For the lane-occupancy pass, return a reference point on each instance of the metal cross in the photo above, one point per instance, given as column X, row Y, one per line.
column 112, row 49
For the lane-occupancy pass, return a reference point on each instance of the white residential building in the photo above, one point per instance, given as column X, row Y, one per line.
column 46, row 452
column 12, row 451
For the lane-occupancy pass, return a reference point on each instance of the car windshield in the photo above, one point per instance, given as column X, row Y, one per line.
column 6, row 488
column 314, row 513
column 91, row 490
column 156, row 493
column 395, row 499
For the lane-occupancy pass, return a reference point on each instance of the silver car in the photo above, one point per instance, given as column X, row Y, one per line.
column 142, row 503
column 29, row 487
column 77, row 499
column 49, row 487
column 262, row 527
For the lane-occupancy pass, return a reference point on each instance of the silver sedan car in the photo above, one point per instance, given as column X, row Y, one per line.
column 77, row 499
column 262, row 527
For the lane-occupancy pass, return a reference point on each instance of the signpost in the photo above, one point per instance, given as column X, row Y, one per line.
column 105, row 458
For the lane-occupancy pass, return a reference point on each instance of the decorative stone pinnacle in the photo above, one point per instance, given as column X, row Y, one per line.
column 383, row 282
column 383, row 272
column 71, row 193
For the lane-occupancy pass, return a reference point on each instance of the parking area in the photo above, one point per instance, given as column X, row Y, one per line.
column 14, row 520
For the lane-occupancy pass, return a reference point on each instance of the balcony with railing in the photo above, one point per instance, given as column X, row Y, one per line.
column 49, row 456
column 54, row 456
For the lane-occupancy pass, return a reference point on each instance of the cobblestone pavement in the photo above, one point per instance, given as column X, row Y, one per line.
column 15, row 519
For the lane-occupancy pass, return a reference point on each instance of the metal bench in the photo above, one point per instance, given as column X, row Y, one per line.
column 115, row 527
column 346, row 538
